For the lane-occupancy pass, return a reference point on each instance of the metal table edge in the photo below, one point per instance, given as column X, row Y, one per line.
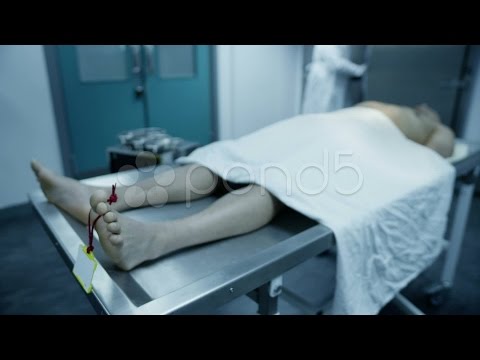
column 240, row 278
column 103, row 285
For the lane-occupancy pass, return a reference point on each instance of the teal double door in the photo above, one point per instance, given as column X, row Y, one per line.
column 108, row 89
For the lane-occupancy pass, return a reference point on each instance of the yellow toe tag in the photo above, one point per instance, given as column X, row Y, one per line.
column 84, row 268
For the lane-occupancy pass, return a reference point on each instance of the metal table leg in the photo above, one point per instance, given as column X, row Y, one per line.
column 267, row 295
column 406, row 305
column 438, row 293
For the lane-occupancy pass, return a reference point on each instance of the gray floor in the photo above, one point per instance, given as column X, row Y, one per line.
column 35, row 280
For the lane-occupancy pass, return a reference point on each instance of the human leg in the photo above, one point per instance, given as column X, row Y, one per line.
column 185, row 182
column 129, row 242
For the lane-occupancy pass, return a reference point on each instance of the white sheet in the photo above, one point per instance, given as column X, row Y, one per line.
column 388, row 231
column 460, row 151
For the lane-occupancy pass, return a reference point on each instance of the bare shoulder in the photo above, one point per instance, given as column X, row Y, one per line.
column 442, row 140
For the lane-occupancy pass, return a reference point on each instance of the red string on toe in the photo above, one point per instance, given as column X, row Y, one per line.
column 113, row 198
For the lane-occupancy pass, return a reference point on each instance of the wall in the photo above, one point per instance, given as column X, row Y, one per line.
column 471, row 128
column 27, row 122
column 257, row 85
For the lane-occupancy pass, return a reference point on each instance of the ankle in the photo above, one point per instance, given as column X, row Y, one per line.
column 165, row 240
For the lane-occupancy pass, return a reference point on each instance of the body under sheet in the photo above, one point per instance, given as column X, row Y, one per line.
column 385, row 197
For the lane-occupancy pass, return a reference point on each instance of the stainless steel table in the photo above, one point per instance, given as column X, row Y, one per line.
column 193, row 280
column 199, row 279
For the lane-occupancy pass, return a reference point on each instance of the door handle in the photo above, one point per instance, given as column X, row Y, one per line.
column 137, row 59
column 149, row 50
column 139, row 90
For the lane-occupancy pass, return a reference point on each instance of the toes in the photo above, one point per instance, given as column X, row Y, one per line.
column 102, row 208
column 110, row 217
column 40, row 171
column 115, row 239
column 35, row 166
column 99, row 196
column 114, row 228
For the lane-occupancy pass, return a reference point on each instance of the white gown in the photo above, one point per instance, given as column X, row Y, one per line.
column 328, row 76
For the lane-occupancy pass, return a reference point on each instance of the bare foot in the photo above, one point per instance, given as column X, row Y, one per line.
column 68, row 194
column 126, row 241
